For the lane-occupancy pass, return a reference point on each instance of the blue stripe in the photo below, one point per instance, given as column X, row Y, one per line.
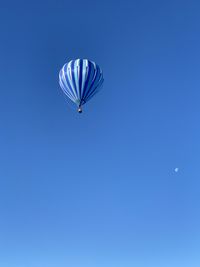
column 90, row 77
column 87, row 80
column 80, row 77
column 76, row 76
column 95, row 80
column 94, row 89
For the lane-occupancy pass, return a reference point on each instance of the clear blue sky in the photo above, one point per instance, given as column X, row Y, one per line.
column 99, row 189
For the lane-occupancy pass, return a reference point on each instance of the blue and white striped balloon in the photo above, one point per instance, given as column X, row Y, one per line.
column 80, row 80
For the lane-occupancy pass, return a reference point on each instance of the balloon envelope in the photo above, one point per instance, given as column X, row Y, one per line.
column 80, row 80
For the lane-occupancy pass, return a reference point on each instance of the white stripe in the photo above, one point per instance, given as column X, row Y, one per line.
column 69, row 73
column 65, row 87
column 77, row 76
column 65, row 82
column 84, row 75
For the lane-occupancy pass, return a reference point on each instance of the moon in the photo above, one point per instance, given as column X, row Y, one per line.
column 176, row 169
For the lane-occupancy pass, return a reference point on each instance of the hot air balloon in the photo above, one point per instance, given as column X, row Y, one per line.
column 80, row 80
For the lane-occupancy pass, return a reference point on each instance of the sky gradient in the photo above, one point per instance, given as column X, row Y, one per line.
column 100, row 188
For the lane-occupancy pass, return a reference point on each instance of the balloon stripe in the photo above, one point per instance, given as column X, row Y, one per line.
column 84, row 76
column 80, row 77
column 95, row 78
column 65, row 82
column 68, row 77
column 90, row 79
column 67, row 92
column 96, row 90
column 73, row 73
column 76, row 76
